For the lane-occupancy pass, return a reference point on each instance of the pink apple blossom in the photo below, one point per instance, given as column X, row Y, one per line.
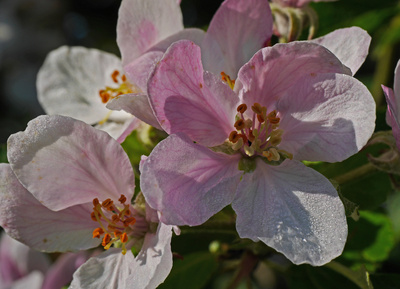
column 393, row 104
column 69, row 187
column 238, row 29
column 291, row 102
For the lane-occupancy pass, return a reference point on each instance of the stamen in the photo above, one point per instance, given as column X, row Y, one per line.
column 114, row 76
column 124, row 238
column 106, row 240
column 242, row 108
column 98, row 232
column 122, row 199
column 107, row 203
column 239, row 124
column 228, row 80
column 256, row 108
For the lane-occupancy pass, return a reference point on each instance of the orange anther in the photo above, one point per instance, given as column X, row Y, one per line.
column 107, row 203
column 257, row 108
column 223, row 75
column 98, row 232
column 106, row 240
column 96, row 202
column 124, row 238
column 117, row 233
column 105, row 96
column 114, row 76
column 93, row 216
column 234, row 136
column 129, row 221
column 115, row 218
column 111, row 227
column 239, row 124
column 122, row 199
column 123, row 77
column 242, row 108
column 260, row 118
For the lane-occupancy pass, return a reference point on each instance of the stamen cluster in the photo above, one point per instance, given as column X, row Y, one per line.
column 260, row 135
column 118, row 220
column 124, row 87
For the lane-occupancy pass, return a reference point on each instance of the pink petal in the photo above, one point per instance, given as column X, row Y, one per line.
column 273, row 70
column 137, row 105
column 141, row 24
column 187, row 182
column 392, row 113
column 65, row 162
column 396, row 86
column 18, row 260
column 27, row 220
column 110, row 269
column 154, row 261
column 62, row 270
column 186, row 100
column 138, row 71
column 70, row 79
column 293, row 209
column 350, row 45
column 238, row 30
column 326, row 117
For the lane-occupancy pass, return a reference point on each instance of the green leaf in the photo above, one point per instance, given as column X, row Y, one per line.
column 193, row 272
column 370, row 240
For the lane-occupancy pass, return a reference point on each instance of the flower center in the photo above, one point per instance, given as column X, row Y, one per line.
column 124, row 87
column 115, row 222
column 260, row 135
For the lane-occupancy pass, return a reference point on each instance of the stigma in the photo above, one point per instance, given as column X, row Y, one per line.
column 122, row 86
column 116, row 222
column 259, row 134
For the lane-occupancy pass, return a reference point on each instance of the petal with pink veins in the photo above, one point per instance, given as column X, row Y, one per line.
column 154, row 261
column 141, row 24
column 294, row 210
column 238, row 30
column 350, row 45
column 25, row 219
column 65, row 162
column 185, row 99
column 187, row 182
column 326, row 117
column 273, row 70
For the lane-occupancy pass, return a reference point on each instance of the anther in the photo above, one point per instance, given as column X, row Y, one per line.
column 242, row 108
column 106, row 240
column 122, row 199
column 93, row 216
column 129, row 221
column 256, row 108
column 260, row 118
column 124, row 238
column 239, row 124
column 115, row 218
column 234, row 137
column 96, row 202
column 107, row 203
column 98, row 232
column 114, row 76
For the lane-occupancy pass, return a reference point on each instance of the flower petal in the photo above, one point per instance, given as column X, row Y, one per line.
column 154, row 261
column 141, row 24
column 119, row 130
column 350, row 45
column 238, row 30
column 293, row 209
column 18, row 260
column 62, row 270
column 25, row 219
column 107, row 270
column 273, row 70
column 137, row 105
column 65, row 162
column 326, row 117
column 70, row 79
column 187, row 182
column 186, row 100
column 392, row 118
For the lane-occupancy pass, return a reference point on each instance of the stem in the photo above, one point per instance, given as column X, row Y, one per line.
column 357, row 278
column 356, row 173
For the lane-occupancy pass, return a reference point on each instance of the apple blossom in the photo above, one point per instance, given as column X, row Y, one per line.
column 291, row 102
column 393, row 103
column 69, row 187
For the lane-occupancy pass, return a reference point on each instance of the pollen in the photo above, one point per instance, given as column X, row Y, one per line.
column 257, row 133
column 115, row 220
